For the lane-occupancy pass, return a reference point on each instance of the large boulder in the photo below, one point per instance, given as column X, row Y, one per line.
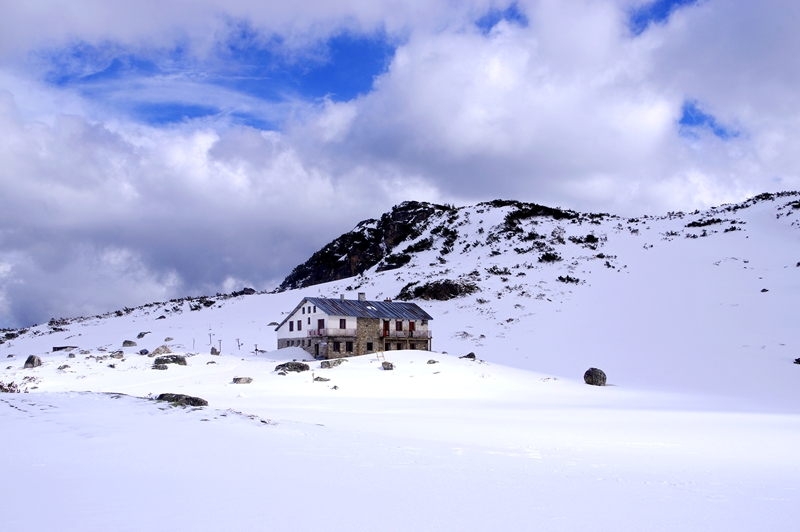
column 470, row 356
column 128, row 343
column 292, row 366
column 387, row 366
column 327, row 364
column 33, row 361
column 179, row 399
column 141, row 334
column 171, row 359
column 595, row 377
column 163, row 350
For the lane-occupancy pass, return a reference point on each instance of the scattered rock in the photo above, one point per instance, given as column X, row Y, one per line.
column 143, row 351
column 432, row 361
column 71, row 355
column 171, row 359
column 212, row 362
column 10, row 367
column 10, row 356
column 118, row 355
column 292, row 366
column 387, row 365
column 62, row 368
column 33, row 361
column 214, row 351
column 334, row 388
column 160, row 351
column 242, row 380
column 326, row 364
column 321, row 379
column 162, row 317
column 179, row 399
column 128, row 343
column 112, row 366
column 169, row 339
column 160, row 366
column 64, row 348
column 764, row 290
column 281, row 373
column 595, row 377
column 141, row 335
column 470, row 356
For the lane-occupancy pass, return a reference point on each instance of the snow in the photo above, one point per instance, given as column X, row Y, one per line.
column 698, row 429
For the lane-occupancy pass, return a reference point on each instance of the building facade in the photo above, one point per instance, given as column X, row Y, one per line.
column 336, row 328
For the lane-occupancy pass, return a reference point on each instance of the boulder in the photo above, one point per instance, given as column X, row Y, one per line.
column 326, row 364
column 62, row 368
column 214, row 351
column 797, row 360
column 159, row 351
column 64, row 348
column 33, row 361
column 470, row 356
column 171, row 359
column 321, row 379
column 242, row 380
column 212, row 362
column 71, row 355
column 143, row 351
column 179, row 399
column 119, row 355
column 112, row 366
column 432, row 361
column 248, row 291
column 764, row 290
column 387, row 366
column 128, row 343
column 169, row 339
column 162, row 317
column 292, row 366
column 141, row 335
column 160, row 366
column 595, row 377
column 10, row 356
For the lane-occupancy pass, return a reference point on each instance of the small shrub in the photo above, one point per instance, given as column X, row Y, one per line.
column 568, row 279
column 494, row 270
column 550, row 257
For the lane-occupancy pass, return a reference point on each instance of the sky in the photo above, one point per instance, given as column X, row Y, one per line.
column 159, row 149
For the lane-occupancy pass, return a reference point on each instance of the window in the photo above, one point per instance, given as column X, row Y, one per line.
column 320, row 324
column 369, row 346
column 299, row 325
column 388, row 347
column 398, row 325
column 399, row 347
column 309, row 309
column 412, row 346
column 291, row 326
column 343, row 323
column 304, row 310
column 348, row 346
column 337, row 346
column 315, row 309
column 309, row 321
column 411, row 326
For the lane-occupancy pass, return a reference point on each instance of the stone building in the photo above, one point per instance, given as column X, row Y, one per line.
column 335, row 328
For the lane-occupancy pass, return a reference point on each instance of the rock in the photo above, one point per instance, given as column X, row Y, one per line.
column 10, row 356
column 128, row 343
column 160, row 366
column 214, row 351
column 64, row 348
column 71, row 355
column 281, row 373
column 212, row 362
column 160, row 351
column 387, row 365
column 292, row 366
column 334, row 388
column 62, row 368
column 143, row 351
column 321, row 379
column 118, row 355
column 169, row 339
column 595, row 377
column 179, row 399
column 171, row 359
column 331, row 363
column 33, row 361
column 432, row 361
column 141, row 335
column 242, row 380
column 112, row 366
column 162, row 317
column 248, row 291
column 470, row 356
column 797, row 360
column 764, row 290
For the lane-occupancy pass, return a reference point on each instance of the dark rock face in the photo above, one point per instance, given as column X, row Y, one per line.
column 178, row 399
column 292, row 366
column 33, row 361
column 128, row 343
column 595, row 377
column 363, row 247
column 470, row 356
column 171, row 359
column 242, row 380
column 387, row 366
column 437, row 290
column 326, row 364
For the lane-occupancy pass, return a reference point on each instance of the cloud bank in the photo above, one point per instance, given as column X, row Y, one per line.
column 178, row 148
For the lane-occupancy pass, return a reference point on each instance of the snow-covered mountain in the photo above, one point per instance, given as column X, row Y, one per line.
column 693, row 317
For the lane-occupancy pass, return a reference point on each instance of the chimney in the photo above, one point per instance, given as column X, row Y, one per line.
column 362, row 296
column 341, row 296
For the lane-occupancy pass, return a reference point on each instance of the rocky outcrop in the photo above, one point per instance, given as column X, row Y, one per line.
column 437, row 290
column 363, row 247
column 595, row 377
column 292, row 366
column 179, row 399
column 171, row 359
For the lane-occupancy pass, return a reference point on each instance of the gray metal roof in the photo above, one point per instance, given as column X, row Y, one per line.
column 364, row 309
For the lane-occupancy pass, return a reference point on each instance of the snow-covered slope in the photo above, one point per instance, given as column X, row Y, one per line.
column 692, row 316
